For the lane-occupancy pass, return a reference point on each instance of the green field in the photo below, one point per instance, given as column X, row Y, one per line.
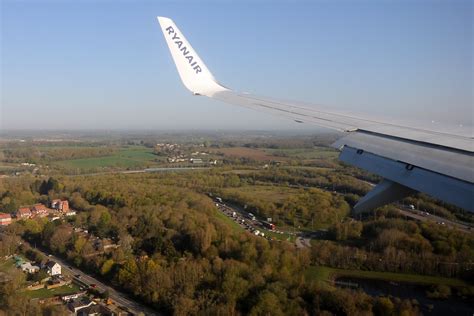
column 284, row 236
column 304, row 153
column 133, row 157
column 329, row 274
column 45, row 293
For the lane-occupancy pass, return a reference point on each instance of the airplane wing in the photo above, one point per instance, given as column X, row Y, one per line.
column 409, row 158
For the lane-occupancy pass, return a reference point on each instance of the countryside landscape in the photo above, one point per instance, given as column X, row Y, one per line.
column 218, row 223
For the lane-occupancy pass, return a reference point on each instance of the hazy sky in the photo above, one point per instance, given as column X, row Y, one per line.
column 105, row 64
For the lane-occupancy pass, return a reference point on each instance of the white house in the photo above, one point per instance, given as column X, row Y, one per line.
column 70, row 213
column 28, row 267
column 53, row 268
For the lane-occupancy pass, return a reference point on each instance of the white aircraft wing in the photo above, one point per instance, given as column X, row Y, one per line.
column 409, row 158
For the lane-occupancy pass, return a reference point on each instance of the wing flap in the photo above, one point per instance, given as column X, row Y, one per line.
column 438, row 162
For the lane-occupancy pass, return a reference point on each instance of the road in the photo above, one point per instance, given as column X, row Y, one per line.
column 423, row 217
column 120, row 298
column 148, row 170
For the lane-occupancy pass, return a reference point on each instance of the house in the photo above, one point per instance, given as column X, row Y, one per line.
column 23, row 212
column 39, row 210
column 28, row 267
column 64, row 206
column 5, row 219
column 76, row 304
column 59, row 205
column 94, row 310
column 55, row 203
column 70, row 213
column 53, row 268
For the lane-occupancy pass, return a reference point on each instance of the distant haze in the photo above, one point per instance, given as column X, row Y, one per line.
column 104, row 64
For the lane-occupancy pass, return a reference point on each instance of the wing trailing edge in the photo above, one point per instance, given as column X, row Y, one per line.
column 409, row 158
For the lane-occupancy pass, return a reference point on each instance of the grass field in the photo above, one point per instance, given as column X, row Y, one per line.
column 244, row 152
column 328, row 274
column 284, row 236
column 45, row 293
column 304, row 153
column 133, row 157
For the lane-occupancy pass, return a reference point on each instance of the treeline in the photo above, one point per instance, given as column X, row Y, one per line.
column 307, row 177
column 353, row 184
column 178, row 256
column 289, row 142
column 32, row 154
column 396, row 245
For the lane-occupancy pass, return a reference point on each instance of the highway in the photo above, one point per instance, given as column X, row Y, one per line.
column 414, row 214
column 423, row 217
column 148, row 170
column 119, row 298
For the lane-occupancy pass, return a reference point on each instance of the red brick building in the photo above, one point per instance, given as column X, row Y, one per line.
column 64, row 206
column 5, row 219
column 39, row 210
column 59, row 205
column 23, row 212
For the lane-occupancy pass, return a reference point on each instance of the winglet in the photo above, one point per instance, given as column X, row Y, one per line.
column 192, row 70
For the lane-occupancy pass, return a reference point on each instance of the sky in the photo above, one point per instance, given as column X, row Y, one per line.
column 104, row 64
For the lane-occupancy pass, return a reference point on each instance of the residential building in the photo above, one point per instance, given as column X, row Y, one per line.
column 76, row 304
column 70, row 213
column 28, row 267
column 55, row 203
column 23, row 212
column 5, row 219
column 94, row 310
column 64, row 206
column 59, row 205
column 39, row 210
column 53, row 268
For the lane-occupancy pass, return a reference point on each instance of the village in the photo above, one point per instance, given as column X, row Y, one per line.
column 176, row 154
column 48, row 281
column 58, row 208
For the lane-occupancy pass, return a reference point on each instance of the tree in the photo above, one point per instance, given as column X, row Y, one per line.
column 267, row 304
column 383, row 306
column 50, row 185
column 107, row 267
column 60, row 239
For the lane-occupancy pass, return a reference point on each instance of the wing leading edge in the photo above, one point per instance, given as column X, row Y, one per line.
column 410, row 158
